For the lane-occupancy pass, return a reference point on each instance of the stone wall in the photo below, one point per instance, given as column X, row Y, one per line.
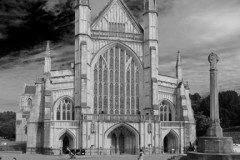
column 235, row 136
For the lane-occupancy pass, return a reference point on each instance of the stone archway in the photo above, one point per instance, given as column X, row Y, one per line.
column 171, row 142
column 67, row 139
column 122, row 140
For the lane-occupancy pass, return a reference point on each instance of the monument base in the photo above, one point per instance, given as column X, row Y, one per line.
column 221, row 145
column 212, row 156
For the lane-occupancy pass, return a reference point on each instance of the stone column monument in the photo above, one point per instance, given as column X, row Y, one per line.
column 213, row 146
column 215, row 130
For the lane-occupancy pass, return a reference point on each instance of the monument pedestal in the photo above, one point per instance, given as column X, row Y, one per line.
column 215, row 145
column 212, row 156
column 214, row 148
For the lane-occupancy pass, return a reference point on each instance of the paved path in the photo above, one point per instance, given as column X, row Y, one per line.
column 8, row 156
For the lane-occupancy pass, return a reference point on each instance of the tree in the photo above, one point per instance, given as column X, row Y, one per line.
column 7, row 130
column 229, row 108
column 196, row 100
column 7, row 124
column 202, row 123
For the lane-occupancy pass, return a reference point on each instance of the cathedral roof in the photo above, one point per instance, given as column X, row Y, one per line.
column 30, row 89
column 126, row 10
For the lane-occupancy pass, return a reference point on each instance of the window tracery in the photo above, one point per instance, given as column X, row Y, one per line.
column 65, row 110
column 165, row 111
column 116, row 83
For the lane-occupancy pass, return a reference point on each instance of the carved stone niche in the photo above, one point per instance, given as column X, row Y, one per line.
column 93, row 128
column 149, row 128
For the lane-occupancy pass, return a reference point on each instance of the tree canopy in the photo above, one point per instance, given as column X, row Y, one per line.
column 229, row 110
column 7, row 124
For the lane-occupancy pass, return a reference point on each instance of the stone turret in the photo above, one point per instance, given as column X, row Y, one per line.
column 150, row 54
column 82, row 55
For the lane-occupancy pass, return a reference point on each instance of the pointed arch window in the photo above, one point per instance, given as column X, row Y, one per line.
column 29, row 102
column 116, row 83
column 25, row 129
column 58, row 113
column 65, row 110
column 165, row 111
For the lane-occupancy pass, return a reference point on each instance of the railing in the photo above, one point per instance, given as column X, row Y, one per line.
column 171, row 124
column 106, row 34
column 116, row 118
column 129, row 118
column 46, row 151
column 65, row 123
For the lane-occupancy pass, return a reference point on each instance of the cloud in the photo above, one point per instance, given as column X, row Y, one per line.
column 165, row 6
column 136, row 7
column 196, row 28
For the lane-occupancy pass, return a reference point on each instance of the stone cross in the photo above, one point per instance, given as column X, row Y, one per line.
column 215, row 130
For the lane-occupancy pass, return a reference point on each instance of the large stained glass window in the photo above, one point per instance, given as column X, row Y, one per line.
column 116, row 83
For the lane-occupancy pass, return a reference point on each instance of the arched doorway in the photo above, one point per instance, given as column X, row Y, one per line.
column 122, row 141
column 66, row 141
column 65, row 144
column 171, row 142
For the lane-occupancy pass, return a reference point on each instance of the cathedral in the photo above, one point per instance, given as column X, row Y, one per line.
column 112, row 100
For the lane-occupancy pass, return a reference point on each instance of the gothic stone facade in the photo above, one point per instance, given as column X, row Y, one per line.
column 113, row 100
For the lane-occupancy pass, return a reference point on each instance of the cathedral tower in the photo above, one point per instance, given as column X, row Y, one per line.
column 150, row 54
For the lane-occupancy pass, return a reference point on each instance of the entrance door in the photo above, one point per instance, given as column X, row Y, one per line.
column 165, row 141
column 65, row 144
column 114, row 144
column 171, row 142
column 121, row 143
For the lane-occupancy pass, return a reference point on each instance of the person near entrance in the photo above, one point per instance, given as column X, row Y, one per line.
column 172, row 150
column 141, row 154
column 68, row 152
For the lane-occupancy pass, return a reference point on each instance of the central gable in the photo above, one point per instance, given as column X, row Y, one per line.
column 116, row 17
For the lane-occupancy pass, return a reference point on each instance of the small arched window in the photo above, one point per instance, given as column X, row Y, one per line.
column 65, row 110
column 58, row 113
column 29, row 102
column 25, row 129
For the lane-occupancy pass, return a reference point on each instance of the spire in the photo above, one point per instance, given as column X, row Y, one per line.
column 48, row 51
column 179, row 68
column 47, row 64
column 179, row 62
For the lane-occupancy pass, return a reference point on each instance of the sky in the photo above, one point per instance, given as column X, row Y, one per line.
column 195, row 28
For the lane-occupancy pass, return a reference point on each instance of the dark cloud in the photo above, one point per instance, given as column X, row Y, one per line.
column 136, row 7
column 26, row 23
